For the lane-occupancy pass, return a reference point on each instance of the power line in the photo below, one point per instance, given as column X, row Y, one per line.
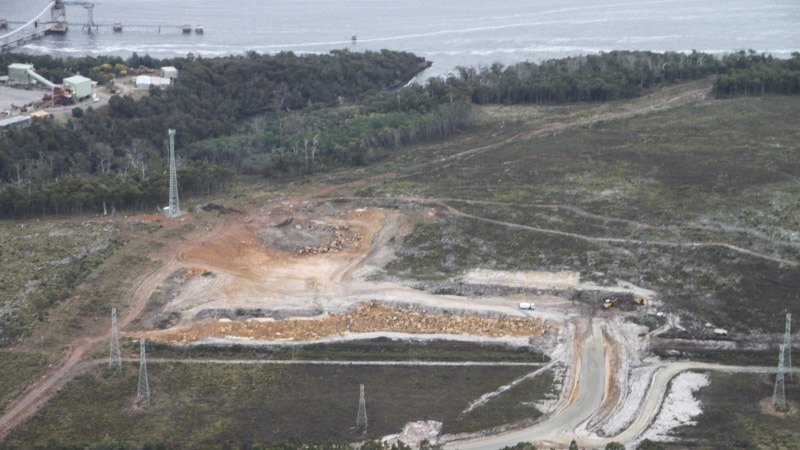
column 143, row 393
column 114, row 353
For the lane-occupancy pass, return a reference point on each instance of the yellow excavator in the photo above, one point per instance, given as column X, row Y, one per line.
column 611, row 301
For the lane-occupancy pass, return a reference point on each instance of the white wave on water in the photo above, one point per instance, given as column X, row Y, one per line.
column 449, row 33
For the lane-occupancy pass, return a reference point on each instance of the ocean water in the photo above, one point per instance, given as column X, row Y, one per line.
column 449, row 33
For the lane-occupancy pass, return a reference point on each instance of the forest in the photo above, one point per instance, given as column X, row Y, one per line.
column 627, row 74
column 287, row 116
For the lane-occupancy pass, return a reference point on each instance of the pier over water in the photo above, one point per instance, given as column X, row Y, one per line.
column 57, row 23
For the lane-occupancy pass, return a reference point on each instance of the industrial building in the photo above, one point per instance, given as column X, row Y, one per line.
column 25, row 74
column 145, row 81
column 80, row 87
column 14, row 122
column 169, row 72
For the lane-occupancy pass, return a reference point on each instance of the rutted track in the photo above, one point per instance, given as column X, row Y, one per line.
column 689, row 244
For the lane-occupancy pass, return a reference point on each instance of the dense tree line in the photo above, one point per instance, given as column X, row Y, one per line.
column 300, row 144
column 289, row 115
column 113, row 159
column 624, row 74
column 754, row 74
column 602, row 77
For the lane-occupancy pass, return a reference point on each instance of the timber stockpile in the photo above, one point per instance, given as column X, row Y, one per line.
column 365, row 318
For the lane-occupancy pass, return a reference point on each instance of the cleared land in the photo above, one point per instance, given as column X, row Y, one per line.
column 688, row 201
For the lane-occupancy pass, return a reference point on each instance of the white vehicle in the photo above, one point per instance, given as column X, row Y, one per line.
column 526, row 306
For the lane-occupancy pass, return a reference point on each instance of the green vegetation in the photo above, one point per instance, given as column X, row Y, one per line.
column 286, row 115
column 623, row 74
column 243, row 404
column 521, row 446
column 379, row 349
column 657, row 201
column 41, row 264
column 699, row 203
column 647, row 444
column 743, row 420
column 729, row 357
column 17, row 369
column 278, row 115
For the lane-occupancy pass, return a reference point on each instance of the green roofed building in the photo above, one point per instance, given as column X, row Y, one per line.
column 80, row 87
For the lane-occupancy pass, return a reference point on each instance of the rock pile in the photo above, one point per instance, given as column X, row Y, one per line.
column 342, row 237
column 367, row 317
column 192, row 271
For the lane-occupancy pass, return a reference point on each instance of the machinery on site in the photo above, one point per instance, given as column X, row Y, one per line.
column 611, row 301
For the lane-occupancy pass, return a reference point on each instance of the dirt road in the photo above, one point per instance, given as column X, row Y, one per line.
column 556, row 429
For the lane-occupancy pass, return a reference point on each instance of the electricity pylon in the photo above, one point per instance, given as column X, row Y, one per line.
column 361, row 420
column 143, row 393
column 779, row 394
column 174, row 202
column 114, row 353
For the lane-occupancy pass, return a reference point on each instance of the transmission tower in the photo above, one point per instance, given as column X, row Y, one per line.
column 787, row 342
column 143, row 393
column 89, row 15
column 114, row 354
column 361, row 420
column 174, row 203
column 779, row 394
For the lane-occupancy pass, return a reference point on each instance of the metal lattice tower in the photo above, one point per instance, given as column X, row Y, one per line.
column 787, row 342
column 174, row 203
column 361, row 420
column 89, row 15
column 143, row 393
column 114, row 354
column 779, row 394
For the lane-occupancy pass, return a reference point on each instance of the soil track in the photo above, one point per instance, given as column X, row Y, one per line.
column 689, row 96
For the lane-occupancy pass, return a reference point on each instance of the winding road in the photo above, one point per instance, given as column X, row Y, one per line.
column 590, row 388
column 559, row 429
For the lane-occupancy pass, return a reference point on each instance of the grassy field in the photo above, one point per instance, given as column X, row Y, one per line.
column 195, row 405
column 41, row 264
column 17, row 369
column 379, row 349
column 60, row 280
column 704, row 194
column 741, row 420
